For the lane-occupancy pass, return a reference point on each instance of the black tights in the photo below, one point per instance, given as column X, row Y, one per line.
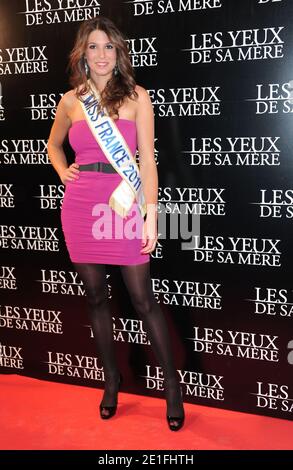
column 138, row 282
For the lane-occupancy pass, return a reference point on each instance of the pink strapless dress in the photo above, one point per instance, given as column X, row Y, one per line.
column 93, row 232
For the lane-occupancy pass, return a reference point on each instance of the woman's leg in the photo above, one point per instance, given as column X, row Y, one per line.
column 138, row 282
column 93, row 277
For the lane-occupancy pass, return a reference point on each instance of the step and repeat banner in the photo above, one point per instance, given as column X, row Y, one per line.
column 220, row 77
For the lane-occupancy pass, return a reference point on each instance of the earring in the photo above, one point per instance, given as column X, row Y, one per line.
column 86, row 67
column 116, row 70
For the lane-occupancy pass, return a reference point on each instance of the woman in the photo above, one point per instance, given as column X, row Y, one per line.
column 104, row 88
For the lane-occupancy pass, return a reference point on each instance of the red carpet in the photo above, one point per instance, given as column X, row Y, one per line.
column 43, row 415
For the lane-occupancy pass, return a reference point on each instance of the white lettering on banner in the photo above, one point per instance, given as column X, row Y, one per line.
column 274, row 98
column 275, row 203
column 39, row 12
column 150, row 7
column 274, row 302
column 29, row 238
column 11, row 357
column 237, row 250
column 274, row 397
column 74, row 365
column 24, row 152
column 193, row 384
column 7, row 278
column 187, row 293
column 43, row 106
column 6, row 196
column 23, row 60
column 234, row 151
column 240, row 45
column 196, row 101
column 143, row 52
column 51, row 196
column 268, row 1
column 128, row 330
column 197, row 201
column 63, row 283
column 239, row 344
column 30, row 319
column 173, row 292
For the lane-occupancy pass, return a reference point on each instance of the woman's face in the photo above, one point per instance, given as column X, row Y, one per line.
column 100, row 54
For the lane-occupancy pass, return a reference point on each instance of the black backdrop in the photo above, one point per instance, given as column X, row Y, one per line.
column 219, row 73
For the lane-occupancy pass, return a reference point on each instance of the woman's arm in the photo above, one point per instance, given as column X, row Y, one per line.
column 145, row 140
column 57, row 135
column 147, row 165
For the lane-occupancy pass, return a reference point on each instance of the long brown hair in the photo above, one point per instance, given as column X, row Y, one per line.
column 119, row 86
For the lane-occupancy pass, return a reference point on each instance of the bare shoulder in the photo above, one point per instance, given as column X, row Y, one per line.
column 144, row 106
column 69, row 99
column 142, row 94
column 144, row 109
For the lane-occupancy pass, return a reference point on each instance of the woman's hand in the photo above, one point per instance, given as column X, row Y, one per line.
column 149, row 234
column 70, row 174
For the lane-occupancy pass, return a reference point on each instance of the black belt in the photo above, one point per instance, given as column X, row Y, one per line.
column 98, row 166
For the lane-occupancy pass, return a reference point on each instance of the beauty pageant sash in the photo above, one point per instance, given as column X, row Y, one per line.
column 117, row 152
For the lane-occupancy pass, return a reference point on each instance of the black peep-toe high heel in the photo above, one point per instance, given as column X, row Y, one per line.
column 176, row 422
column 106, row 412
